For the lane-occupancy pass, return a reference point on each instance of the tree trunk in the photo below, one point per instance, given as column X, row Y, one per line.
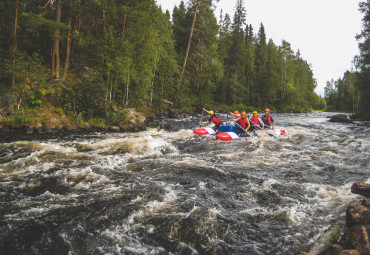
column 124, row 25
column 55, row 67
column 104, row 27
column 68, row 51
column 189, row 42
column 15, row 41
column 127, row 87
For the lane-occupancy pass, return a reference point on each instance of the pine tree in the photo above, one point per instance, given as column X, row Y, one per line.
column 364, row 61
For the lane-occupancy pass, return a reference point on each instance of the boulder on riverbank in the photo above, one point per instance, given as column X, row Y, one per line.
column 355, row 240
column 340, row 118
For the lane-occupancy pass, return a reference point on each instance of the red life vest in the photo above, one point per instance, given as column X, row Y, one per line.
column 243, row 122
column 215, row 120
column 268, row 119
column 255, row 121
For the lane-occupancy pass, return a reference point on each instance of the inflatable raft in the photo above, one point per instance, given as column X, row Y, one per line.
column 204, row 131
column 276, row 132
column 228, row 133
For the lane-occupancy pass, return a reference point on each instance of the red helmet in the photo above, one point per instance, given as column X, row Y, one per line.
column 267, row 110
column 244, row 113
column 236, row 112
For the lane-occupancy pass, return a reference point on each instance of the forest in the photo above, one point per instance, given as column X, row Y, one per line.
column 351, row 93
column 94, row 59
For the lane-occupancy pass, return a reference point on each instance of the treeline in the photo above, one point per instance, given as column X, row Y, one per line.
column 91, row 56
column 351, row 93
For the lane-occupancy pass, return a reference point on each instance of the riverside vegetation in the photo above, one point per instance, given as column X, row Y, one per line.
column 85, row 63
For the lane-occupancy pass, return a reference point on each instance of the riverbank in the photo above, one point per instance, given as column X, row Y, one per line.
column 51, row 120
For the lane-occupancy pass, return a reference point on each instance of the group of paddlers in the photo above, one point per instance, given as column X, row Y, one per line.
column 242, row 122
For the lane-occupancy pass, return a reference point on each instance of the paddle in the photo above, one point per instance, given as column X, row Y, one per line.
column 201, row 119
column 254, row 124
column 245, row 131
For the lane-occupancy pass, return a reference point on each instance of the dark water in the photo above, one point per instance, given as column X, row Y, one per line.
column 169, row 192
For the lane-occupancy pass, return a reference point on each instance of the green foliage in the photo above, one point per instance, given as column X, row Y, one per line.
column 129, row 54
column 21, row 119
column 118, row 117
column 97, row 122
column 343, row 94
column 59, row 111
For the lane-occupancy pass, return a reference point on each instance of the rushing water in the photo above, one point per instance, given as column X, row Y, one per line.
column 169, row 192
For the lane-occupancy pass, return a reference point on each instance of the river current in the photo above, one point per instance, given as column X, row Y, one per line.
column 166, row 191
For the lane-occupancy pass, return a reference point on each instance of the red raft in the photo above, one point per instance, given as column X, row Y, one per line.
column 227, row 136
column 204, row 131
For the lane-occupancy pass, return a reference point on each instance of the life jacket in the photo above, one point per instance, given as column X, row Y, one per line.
column 243, row 122
column 255, row 121
column 216, row 120
column 267, row 119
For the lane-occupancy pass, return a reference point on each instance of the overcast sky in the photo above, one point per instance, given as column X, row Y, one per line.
column 323, row 30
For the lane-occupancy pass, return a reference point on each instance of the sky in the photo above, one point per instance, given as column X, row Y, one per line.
column 322, row 30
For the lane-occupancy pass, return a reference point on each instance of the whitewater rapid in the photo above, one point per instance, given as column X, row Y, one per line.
column 166, row 191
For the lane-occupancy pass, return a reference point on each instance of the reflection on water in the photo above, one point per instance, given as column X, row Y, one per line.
column 164, row 192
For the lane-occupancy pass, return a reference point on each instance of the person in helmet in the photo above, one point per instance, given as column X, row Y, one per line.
column 235, row 113
column 243, row 124
column 256, row 121
column 212, row 117
column 268, row 120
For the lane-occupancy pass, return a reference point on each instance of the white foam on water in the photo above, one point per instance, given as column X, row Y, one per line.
column 202, row 185
column 213, row 212
column 123, row 235
column 86, row 178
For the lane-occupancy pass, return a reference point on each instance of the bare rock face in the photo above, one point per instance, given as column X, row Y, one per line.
column 349, row 252
column 333, row 250
column 135, row 117
column 359, row 238
column 357, row 214
column 361, row 188
column 366, row 203
column 340, row 118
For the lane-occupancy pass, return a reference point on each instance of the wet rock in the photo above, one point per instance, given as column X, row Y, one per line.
column 361, row 188
column 366, row 203
column 38, row 128
column 340, row 118
column 28, row 129
column 360, row 239
column 332, row 250
column 114, row 128
column 349, row 252
column 357, row 214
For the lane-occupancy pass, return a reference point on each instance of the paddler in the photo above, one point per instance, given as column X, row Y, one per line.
column 243, row 124
column 235, row 114
column 214, row 119
column 256, row 121
column 268, row 120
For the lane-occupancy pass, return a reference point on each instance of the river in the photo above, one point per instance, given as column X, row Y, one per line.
column 165, row 191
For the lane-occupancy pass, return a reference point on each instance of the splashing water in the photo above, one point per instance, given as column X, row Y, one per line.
column 169, row 192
